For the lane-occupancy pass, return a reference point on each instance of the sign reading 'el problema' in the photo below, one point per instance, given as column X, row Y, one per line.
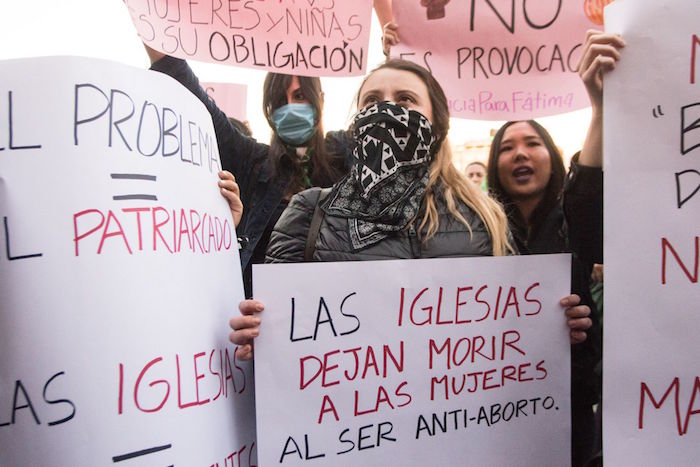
column 119, row 273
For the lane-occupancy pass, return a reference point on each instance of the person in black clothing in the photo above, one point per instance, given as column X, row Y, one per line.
column 526, row 174
column 551, row 212
column 243, row 127
column 298, row 157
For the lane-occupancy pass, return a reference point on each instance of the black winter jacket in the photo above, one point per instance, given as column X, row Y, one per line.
column 576, row 225
column 262, row 185
column 580, row 232
column 288, row 241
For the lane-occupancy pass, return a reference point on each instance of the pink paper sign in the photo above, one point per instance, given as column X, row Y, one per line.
column 499, row 59
column 301, row 37
column 230, row 97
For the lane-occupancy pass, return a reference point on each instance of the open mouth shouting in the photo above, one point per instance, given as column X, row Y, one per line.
column 523, row 174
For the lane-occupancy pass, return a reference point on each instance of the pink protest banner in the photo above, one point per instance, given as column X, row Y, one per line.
column 499, row 59
column 230, row 97
column 301, row 37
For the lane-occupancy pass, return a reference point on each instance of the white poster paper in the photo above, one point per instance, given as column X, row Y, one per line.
column 414, row 362
column 652, row 224
column 119, row 271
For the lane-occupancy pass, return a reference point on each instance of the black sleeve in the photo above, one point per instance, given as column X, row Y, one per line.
column 339, row 146
column 237, row 151
column 583, row 208
column 288, row 240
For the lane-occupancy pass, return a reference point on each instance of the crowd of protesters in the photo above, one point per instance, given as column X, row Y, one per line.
column 315, row 196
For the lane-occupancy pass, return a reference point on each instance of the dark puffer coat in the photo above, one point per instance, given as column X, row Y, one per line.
column 288, row 240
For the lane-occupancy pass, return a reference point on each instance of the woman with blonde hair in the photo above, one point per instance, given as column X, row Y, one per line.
column 402, row 199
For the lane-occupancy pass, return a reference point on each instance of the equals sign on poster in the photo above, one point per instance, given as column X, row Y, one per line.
column 140, row 453
column 132, row 196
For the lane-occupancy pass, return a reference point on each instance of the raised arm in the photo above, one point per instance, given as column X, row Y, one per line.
column 390, row 31
column 232, row 194
column 601, row 54
column 153, row 54
column 583, row 191
column 383, row 10
column 237, row 151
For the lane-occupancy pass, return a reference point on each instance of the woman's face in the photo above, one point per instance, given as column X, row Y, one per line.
column 524, row 163
column 398, row 86
column 294, row 94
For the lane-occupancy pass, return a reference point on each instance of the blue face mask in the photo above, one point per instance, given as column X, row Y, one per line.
column 294, row 123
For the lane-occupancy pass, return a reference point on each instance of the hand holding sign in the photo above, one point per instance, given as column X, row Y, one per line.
column 577, row 318
column 600, row 54
column 232, row 194
column 246, row 328
column 390, row 37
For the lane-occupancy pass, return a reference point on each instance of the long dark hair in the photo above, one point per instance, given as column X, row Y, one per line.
column 275, row 96
column 552, row 191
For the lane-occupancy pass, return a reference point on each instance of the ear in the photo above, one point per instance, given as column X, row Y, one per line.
column 323, row 95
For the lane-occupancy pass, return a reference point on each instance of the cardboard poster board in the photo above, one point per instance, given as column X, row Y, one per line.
column 414, row 362
column 119, row 269
column 499, row 59
column 652, row 224
column 307, row 38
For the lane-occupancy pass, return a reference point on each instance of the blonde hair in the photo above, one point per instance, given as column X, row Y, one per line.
column 455, row 185
column 456, row 188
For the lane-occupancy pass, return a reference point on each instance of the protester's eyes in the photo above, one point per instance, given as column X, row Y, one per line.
column 369, row 99
column 406, row 98
column 534, row 143
column 298, row 96
column 505, row 148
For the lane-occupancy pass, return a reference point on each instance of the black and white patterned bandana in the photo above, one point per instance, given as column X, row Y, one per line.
column 384, row 189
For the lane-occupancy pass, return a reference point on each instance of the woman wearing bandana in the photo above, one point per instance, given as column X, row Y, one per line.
column 394, row 202
column 402, row 199
column 297, row 158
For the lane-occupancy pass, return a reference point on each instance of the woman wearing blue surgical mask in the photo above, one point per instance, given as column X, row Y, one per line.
column 293, row 106
column 298, row 157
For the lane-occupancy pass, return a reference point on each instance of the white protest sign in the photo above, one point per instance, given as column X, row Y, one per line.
column 119, row 273
column 414, row 362
column 652, row 226
column 499, row 59
column 300, row 37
